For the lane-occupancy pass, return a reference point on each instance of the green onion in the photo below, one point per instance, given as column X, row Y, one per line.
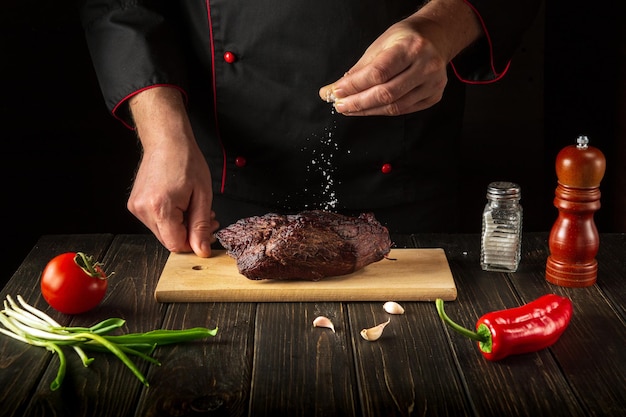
column 28, row 324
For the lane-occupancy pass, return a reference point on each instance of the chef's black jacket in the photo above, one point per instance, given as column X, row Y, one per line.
column 250, row 72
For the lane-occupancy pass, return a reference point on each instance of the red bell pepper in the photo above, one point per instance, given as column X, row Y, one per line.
column 528, row 328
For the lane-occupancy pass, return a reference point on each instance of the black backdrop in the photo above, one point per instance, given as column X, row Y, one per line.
column 67, row 165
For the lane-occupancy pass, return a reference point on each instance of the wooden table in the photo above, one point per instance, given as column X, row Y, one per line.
column 268, row 359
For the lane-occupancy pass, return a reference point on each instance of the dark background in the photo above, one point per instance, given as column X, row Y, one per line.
column 67, row 165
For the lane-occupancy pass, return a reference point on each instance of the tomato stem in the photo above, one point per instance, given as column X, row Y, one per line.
column 87, row 264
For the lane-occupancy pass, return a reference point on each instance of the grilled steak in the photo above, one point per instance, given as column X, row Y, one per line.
column 309, row 245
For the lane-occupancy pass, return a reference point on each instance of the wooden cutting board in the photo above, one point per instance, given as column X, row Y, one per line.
column 414, row 275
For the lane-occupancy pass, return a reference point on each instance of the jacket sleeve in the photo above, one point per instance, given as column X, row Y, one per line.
column 504, row 24
column 133, row 47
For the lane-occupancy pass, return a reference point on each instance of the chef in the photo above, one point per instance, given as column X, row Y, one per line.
column 249, row 107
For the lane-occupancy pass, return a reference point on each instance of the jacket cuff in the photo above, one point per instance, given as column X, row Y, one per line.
column 121, row 110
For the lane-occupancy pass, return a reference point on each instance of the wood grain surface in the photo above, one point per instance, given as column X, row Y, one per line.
column 409, row 275
column 268, row 359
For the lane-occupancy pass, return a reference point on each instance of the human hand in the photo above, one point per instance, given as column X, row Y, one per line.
column 404, row 70
column 172, row 193
column 172, row 196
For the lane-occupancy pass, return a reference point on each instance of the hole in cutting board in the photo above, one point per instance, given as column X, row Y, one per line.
column 198, row 267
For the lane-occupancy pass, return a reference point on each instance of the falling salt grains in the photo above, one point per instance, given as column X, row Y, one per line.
column 323, row 163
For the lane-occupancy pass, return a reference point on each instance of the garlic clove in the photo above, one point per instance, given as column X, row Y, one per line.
column 374, row 333
column 392, row 307
column 322, row 321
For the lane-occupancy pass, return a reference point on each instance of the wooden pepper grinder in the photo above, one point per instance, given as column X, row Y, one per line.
column 574, row 239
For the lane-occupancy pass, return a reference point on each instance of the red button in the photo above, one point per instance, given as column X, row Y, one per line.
column 240, row 162
column 229, row 57
column 386, row 168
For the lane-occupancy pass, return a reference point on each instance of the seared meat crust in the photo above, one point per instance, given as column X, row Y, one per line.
column 309, row 245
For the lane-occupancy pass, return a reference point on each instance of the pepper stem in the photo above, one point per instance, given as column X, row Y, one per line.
column 462, row 330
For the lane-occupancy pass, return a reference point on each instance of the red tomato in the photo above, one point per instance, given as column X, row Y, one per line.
column 73, row 283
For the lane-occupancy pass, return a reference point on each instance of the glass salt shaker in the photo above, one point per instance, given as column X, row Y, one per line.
column 501, row 241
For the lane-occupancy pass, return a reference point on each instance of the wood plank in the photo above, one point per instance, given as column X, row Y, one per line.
column 419, row 365
column 211, row 376
column 410, row 369
column 107, row 387
column 416, row 275
column 301, row 370
column 20, row 364
column 500, row 388
column 591, row 352
column 612, row 270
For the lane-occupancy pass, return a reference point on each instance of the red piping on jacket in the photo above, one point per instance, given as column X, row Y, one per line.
column 493, row 67
column 217, row 127
column 134, row 93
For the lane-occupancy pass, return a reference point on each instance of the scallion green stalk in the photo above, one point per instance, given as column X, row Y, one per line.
column 27, row 324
